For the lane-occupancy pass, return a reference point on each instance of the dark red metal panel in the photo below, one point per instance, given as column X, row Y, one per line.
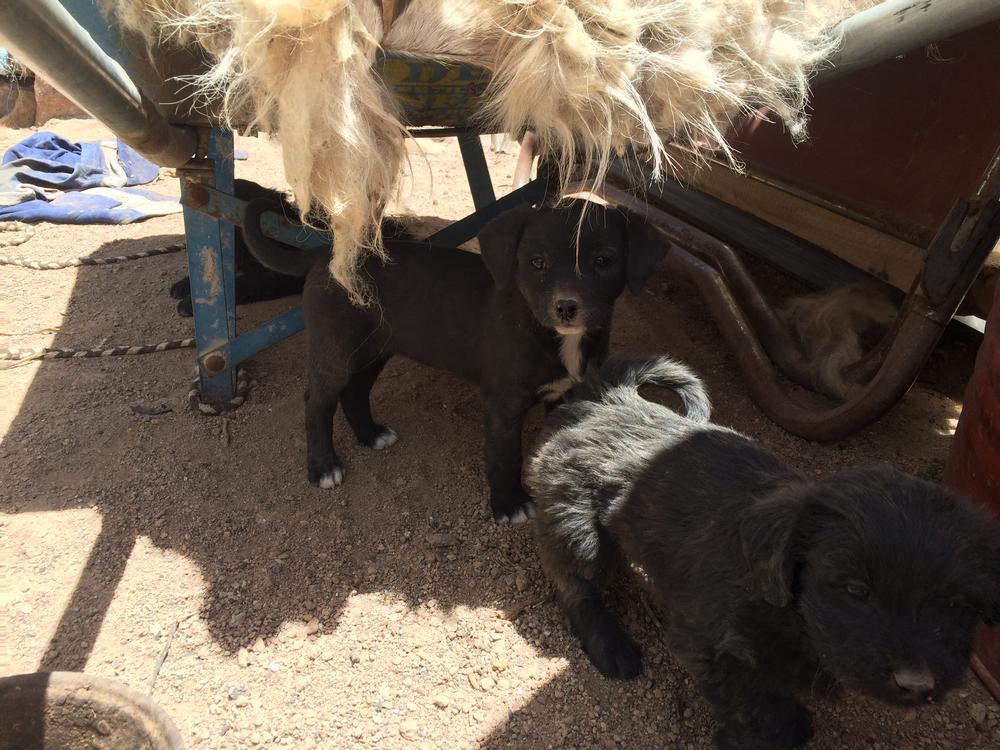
column 897, row 143
column 974, row 465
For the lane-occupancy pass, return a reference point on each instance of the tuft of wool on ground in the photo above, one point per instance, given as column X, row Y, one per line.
column 593, row 78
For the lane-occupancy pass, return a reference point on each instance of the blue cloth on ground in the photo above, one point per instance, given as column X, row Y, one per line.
column 47, row 178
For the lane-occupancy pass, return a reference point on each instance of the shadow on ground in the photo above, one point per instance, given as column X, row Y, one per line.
column 230, row 495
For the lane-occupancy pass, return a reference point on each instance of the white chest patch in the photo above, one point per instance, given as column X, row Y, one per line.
column 572, row 355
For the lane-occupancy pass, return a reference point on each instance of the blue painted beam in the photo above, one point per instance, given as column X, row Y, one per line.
column 219, row 205
column 465, row 229
column 211, row 266
column 250, row 343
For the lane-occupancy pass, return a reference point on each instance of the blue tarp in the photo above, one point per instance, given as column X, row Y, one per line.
column 48, row 178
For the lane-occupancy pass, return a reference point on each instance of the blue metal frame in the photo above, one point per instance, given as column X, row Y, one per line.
column 211, row 213
column 211, row 210
column 216, row 207
column 211, row 264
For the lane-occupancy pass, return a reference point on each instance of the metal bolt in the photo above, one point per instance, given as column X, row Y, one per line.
column 213, row 364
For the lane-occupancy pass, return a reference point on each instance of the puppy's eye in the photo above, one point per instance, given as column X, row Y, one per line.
column 857, row 589
column 602, row 261
column 538, row 262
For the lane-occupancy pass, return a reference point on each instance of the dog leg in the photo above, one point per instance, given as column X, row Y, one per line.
column 323, row 466
column 606, row 643
column 181, row 289
column 356, row 400
column 754, row 714
column 502, row 421
column 579, row 584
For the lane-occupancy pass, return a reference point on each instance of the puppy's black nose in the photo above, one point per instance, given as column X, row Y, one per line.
column 915, row 681
column 567, row 309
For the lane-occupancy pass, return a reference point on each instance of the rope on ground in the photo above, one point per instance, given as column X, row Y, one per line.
column 15, row 233
column 45, row 265
column 243, row 386
column 20, row 355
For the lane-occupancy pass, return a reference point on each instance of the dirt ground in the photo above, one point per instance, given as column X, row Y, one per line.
column 390, row 613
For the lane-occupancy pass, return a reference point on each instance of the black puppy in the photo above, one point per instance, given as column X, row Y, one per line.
column 254, row 281
column 533, row 310
column 771, row 580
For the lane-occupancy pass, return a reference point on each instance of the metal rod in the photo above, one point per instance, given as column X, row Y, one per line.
column 211, row 268
column 45, row 36
column 468, row 227
column 476, row 170
column 896, row 27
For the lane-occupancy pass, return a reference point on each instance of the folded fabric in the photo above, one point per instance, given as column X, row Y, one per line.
column 94, row 206
column 48, row 178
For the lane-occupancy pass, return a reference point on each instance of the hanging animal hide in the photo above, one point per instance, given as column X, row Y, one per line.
column 594, row 79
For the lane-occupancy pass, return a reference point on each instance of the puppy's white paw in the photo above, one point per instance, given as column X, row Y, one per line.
column 332, row 479
column 385, row 439
column 520, row 515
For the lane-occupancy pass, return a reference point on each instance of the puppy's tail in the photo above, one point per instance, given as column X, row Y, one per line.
column 622, row 381
column 275, row 255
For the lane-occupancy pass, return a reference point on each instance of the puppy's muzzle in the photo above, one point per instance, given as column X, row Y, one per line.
column 914, row 684
column 567, row 310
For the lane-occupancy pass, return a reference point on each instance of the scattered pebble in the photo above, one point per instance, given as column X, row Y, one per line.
column 409, row 730
column 978, row 712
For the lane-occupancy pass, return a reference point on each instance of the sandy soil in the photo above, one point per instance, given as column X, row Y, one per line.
column 390, row 613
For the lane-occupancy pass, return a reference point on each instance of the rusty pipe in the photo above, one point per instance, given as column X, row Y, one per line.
column 904, row 360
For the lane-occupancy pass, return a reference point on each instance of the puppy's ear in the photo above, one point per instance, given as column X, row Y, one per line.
column 768, row 536
column 498, row 242
column 646, row 248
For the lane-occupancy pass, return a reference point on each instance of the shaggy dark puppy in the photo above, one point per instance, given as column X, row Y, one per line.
column 772, row 580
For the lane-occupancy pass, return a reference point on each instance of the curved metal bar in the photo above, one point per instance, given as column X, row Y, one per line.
column 52, row 43
column 969, row 234
column 904, row 360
